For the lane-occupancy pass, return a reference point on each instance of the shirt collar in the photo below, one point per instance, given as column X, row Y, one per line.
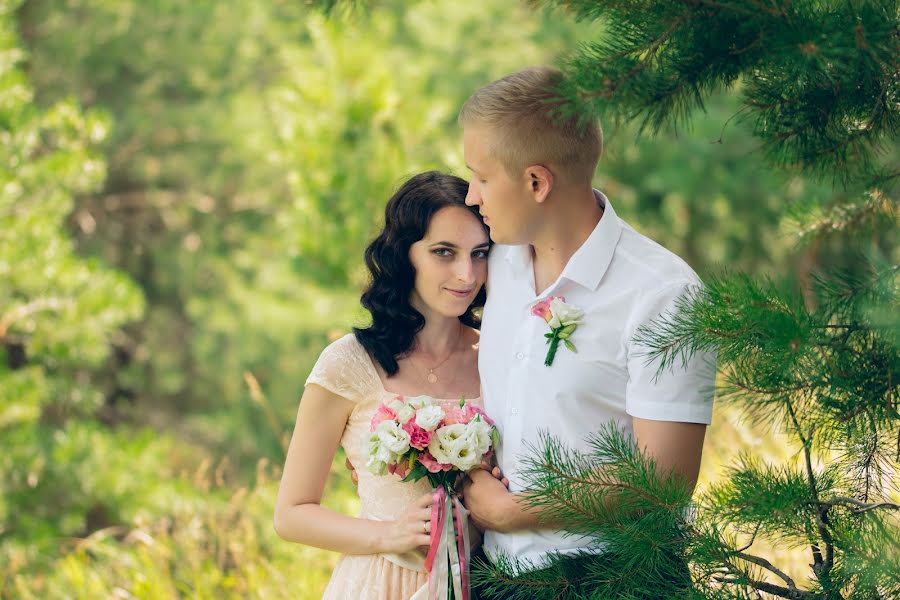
column 589, row 263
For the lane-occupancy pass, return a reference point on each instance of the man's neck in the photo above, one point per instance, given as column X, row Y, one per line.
column 568, row 226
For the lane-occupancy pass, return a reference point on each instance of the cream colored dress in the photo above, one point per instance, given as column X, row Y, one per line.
column 345, row 369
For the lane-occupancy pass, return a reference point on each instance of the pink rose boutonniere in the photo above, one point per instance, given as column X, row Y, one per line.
column 563, row 320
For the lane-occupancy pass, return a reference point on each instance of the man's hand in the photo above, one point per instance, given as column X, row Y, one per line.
column 497, row 474
column 490, row 504
column 354, row 476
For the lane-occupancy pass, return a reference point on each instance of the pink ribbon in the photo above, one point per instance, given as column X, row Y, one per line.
column 439, row 550
column 438, row 515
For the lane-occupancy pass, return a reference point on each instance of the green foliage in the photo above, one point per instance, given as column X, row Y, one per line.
column 59, row 314
column 817, row 77
column 185, row 194
column 818, row 82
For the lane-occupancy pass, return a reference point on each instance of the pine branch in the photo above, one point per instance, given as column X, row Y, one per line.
column 766, row 565
column 875, row 209
column 861, row 507
column 822, row 566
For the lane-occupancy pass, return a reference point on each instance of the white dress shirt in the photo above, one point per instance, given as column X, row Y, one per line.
column 621, row 280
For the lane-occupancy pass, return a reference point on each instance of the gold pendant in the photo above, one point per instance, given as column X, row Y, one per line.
column 432, row 378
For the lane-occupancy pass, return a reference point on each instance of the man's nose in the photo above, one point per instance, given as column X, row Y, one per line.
column 473, row 196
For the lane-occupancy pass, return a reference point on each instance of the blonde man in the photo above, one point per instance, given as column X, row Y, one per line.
column 532, row 167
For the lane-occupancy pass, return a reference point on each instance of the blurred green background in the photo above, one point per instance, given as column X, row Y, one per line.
column 185, row 193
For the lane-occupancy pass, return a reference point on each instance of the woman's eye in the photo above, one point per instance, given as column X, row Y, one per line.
column 443, row 252
column 480, row 254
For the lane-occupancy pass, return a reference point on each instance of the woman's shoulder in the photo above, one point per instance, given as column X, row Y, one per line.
column 344, row 368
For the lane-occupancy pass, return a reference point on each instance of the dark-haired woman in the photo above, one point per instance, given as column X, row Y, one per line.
column 428, row 268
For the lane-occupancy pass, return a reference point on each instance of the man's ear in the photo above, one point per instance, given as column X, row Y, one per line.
column 540, row 178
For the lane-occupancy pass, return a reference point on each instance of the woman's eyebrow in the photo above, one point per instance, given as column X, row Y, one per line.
column 456, row 246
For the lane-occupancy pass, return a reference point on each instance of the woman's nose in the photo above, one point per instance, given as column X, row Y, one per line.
column 465, row 270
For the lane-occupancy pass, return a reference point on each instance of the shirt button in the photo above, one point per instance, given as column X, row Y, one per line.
column 515, row 411
column 519, row 355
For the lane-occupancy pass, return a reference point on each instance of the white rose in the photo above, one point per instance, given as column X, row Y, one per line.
column 428, row 417
column 403, row 410
column 392, row 437
column 562, row 314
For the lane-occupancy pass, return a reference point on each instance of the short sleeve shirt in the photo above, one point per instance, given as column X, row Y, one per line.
column 621, row 280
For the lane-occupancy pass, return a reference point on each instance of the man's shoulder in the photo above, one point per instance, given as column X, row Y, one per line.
column 498, row 257
column 649, row 264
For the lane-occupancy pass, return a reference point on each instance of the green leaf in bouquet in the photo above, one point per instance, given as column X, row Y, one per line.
column 417, row 473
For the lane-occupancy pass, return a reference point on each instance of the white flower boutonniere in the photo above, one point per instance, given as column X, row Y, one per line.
column 563, row 320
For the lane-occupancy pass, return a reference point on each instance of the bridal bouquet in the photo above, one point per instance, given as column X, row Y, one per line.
column 416, row 438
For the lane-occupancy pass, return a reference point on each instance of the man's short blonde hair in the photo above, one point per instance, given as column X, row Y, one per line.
column 531, row 125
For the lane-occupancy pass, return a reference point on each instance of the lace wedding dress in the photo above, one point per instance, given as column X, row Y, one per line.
column 345, row 369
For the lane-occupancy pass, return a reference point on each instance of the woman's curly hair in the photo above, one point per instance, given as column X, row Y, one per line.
column 395, row 322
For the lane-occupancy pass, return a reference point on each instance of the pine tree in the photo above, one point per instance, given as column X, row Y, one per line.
column 819, row 83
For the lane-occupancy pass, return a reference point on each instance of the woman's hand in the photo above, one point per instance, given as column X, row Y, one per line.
column 411, row 530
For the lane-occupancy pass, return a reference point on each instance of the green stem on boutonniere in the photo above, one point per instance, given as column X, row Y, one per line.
column 551, row 352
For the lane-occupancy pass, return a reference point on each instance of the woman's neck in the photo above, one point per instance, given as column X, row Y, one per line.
column 439, row 337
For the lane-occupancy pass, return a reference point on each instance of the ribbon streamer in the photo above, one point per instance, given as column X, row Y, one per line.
column 447, row 561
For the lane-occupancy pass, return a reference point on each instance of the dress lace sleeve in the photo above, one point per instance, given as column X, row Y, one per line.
column 344, row 369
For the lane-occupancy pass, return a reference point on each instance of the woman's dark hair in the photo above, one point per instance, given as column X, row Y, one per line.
column 395, row 322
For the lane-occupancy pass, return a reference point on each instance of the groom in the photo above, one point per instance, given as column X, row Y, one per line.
column 557, row 237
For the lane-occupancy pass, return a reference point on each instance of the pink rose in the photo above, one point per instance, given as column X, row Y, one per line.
column 382, row 414
column 432, row 464
column 542, row 308
column 418, row 437
column 454, row 415
column 472, row 410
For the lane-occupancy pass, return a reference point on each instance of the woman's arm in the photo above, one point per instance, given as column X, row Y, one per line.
column 300, row 518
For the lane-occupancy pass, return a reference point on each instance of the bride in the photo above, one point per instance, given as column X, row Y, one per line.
column 428, row 267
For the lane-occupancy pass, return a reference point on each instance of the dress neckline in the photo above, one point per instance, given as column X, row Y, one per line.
column 384, row 391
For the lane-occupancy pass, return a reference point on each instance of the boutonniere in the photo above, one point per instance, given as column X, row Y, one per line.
column 563, row 320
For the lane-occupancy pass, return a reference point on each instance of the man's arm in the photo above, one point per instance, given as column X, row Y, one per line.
column 674, row 446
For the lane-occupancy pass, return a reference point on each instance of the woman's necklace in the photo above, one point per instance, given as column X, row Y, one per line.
column 432, row 377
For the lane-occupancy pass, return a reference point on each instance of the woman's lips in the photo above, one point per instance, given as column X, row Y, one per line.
column 459, row 293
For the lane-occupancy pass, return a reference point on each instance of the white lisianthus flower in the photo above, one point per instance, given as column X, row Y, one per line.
column 562, row 314
column 478, row 436
column 402, row 409
column 392, row 437
column 445, row 443
column 379, row 456
column 428, row 417
column 418, row 402
column 465, row 455
column 376, row 466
